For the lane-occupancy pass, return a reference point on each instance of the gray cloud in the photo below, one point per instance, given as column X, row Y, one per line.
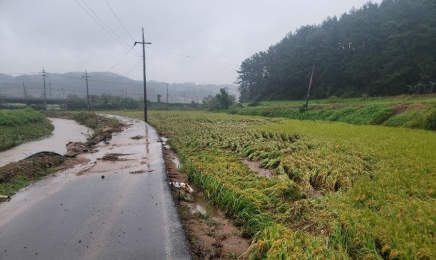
column 60, row 36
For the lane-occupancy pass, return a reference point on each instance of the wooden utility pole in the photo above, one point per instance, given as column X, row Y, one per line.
column 167, row 96
column 25, row 95
column 49, row 87
column 308, row 90
column 87, row 90
column 45, row 91
column 145, row 78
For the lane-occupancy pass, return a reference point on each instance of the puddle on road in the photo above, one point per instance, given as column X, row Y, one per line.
column 64, row 132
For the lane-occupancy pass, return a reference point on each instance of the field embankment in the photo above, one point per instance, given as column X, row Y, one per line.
column 20, row 126
column 339, row 191
column 403, row 111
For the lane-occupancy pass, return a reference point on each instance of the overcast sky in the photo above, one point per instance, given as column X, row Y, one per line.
column 61, row 37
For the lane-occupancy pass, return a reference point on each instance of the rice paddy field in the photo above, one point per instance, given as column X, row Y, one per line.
column 339, row 191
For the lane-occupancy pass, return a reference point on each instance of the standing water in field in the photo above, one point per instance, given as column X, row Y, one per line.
column 64, row 131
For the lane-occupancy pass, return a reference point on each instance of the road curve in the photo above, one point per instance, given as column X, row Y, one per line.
column 128, row 214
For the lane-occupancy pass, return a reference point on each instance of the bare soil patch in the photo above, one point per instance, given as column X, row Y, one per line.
column 400, row 109
column 210, row 236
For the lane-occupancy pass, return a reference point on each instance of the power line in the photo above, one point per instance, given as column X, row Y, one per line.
column 125, row 54
column 132, row 14
column 97, row 21
column 119, row 20
column 120, row 41
column 116, row 57
column 132, row 68
column 108, row 82
column 192, row 57
column 104, row 23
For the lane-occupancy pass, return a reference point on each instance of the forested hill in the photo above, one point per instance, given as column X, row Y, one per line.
column 376, row 50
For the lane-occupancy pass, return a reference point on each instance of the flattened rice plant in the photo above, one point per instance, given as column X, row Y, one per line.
column 339, row 191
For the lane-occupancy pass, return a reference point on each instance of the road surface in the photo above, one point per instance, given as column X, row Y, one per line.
column 128, row 214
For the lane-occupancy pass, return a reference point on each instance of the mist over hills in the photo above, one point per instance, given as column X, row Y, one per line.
column 72, row 83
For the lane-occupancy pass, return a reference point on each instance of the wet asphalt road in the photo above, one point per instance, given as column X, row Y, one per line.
column 80, row 215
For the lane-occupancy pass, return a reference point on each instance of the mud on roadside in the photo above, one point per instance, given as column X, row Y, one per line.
column 210, row 234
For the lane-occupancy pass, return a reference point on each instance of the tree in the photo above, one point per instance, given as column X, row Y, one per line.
column 221, row 101
column 375, row 50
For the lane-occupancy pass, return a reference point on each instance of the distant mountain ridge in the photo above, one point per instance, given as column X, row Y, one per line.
column 72, row 83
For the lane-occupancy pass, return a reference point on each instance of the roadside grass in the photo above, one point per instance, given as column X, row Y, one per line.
column 377, row 184
column 20, row 126
column 10, row 188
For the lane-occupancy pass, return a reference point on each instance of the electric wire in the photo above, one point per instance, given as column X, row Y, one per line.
column 132, row 14
column 125, row 54
column 119, row 20
column 119, row 40
column 104, row 23
column 99, row 23
column 192, row 57
column 108, row 82
column 115, row 58
column 132, row 68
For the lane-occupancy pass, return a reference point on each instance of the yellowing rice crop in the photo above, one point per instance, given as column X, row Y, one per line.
column 339, row 191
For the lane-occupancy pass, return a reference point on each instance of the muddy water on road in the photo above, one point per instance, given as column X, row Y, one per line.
column 65, row 131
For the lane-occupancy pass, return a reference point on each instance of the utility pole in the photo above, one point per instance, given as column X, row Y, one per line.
column 87, row 91
column 25, row 95
column 143, row 67
column 308, row 90
column 49, row 87
column 184, row 99
column 63, row 93
column 167, row 96
column 45, row 91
